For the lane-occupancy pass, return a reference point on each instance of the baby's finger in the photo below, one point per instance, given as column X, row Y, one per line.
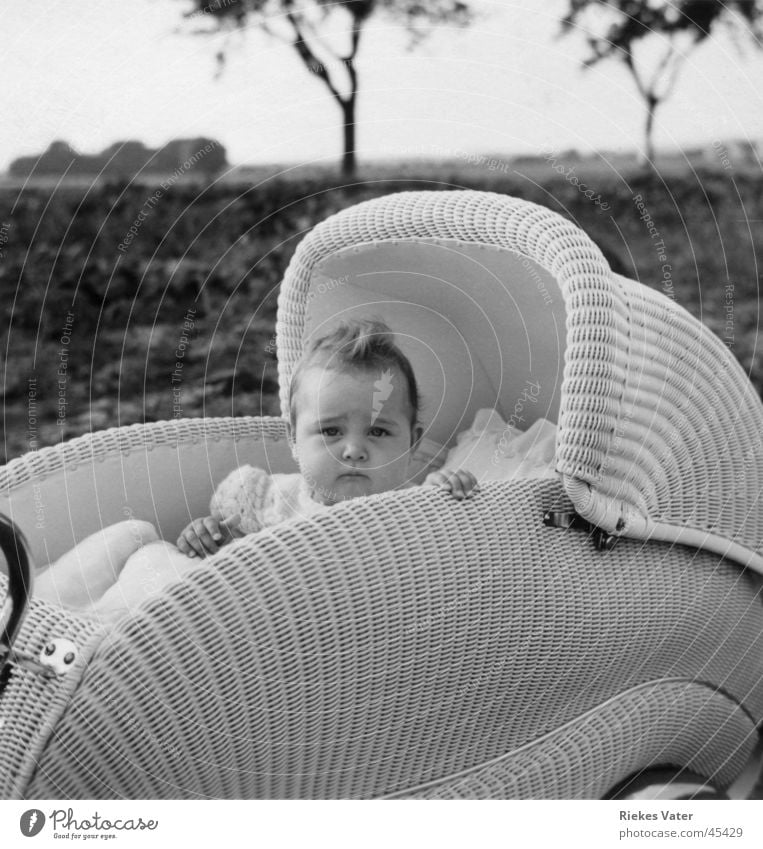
column 184, row 547
column 469, row 483
column 212, row 526
column 191, row 546
column 457, row 486
column 209, row 546
column 443, row 480
column 193, row 540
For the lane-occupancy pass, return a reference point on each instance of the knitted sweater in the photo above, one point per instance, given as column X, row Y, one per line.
column 262, row 499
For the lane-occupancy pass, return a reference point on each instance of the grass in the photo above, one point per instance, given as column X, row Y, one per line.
column 217, row 252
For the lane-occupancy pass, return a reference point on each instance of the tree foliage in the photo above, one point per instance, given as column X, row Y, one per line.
column 616, row 28
column 304, row 26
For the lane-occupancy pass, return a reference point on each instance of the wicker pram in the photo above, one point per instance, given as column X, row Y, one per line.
column 412, row 646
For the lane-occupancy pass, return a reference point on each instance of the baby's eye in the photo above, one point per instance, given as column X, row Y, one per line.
column 378, row 431
column 330, row 431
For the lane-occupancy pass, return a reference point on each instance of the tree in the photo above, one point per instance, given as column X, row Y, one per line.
column 302, row 24
column 614, row 28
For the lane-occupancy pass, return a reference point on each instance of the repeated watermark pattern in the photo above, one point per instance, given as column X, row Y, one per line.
column 317, row 67
column 728, row 314
column 327, row 286
column 529, row 395
column 32, row 822
column 721, row 151
column 551, row 157
column 33, row 444
column 382, row 391
column 176, row 378
column 475, row 159
column 39, row 506
column 5, row 229
column 271, row 347
column 62, row 377
column 321, row 289
column 659, row 245
column 32, row 391
column 540, row 283
column 71, row 826
column 154, row 199
column 210, row 8
column 145, row 211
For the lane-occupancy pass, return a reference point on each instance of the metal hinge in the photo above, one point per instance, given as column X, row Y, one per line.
column 569, row 520
column 58, row 655
column 55, row 659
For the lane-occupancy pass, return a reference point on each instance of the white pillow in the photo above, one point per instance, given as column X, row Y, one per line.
column 493, row 450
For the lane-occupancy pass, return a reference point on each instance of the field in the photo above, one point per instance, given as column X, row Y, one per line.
column 103, row 325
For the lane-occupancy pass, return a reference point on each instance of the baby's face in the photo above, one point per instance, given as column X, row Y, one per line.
column 353, row 432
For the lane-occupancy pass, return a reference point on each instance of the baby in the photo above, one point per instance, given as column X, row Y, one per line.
column 353, row 429
column 353, row 408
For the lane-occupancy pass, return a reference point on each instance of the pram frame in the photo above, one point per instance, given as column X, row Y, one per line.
column 412, row 679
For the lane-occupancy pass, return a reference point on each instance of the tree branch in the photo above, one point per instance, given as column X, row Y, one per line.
column 678, row 60
column 310, row 60
column 631, row 65
column 315, row 34
column 349, row 59
column 357, row 27
column 661, row 65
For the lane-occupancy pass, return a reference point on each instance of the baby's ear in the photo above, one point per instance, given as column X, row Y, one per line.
column 416, row 433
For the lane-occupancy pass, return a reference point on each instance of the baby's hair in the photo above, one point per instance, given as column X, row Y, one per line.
column 366, row 344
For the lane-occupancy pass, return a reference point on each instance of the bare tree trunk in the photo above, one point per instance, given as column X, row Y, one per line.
column 652, row 102
column 651, row 107
column 346, row 104
column 349, row 161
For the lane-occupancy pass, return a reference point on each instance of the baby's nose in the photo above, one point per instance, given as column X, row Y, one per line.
column 354, row 450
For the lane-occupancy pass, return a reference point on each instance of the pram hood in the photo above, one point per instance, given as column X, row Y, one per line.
column 660, row 433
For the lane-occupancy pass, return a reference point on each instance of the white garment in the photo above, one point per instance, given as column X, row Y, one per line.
column 262, row 499
column 493, row 450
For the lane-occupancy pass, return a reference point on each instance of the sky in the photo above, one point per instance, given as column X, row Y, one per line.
column 119, row 70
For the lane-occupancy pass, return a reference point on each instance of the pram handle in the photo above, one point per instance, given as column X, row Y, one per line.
column 20, row 580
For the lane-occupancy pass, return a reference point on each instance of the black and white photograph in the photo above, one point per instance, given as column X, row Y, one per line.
column 382, row 419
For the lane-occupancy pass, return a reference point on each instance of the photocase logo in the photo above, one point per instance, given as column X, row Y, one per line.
column 382, row 391
column 31, row 822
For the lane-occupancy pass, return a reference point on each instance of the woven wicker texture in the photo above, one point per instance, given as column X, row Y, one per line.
column 31, row 705
column 652, row 725
column 397, row 641
column 163, row 472
column 660, row 432
column 410, row 644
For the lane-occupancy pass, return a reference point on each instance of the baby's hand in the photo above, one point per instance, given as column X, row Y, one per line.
column 461, row 484
column 205, row 536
